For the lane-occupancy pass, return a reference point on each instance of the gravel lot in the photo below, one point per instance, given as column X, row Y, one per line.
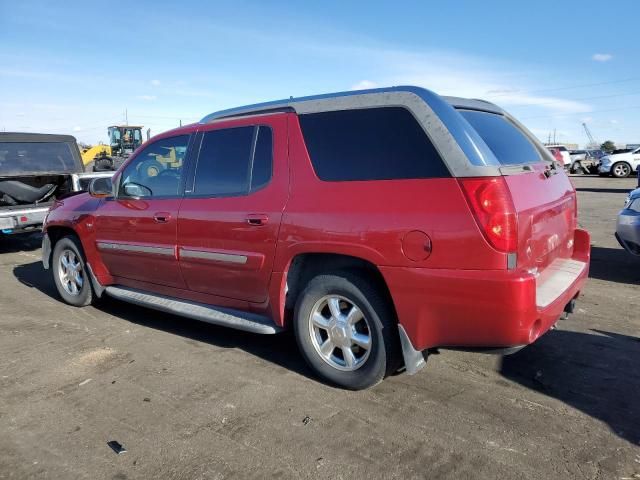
column 191, row 400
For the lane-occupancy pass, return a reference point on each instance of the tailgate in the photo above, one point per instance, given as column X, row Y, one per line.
column 544, row 199
column 546, row 209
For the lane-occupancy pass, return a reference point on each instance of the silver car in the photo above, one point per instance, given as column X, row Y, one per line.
column 628, row 227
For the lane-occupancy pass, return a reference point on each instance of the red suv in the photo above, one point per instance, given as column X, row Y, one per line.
column 376, row 224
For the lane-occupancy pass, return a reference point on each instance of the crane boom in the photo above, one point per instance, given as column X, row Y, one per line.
column 588, row 132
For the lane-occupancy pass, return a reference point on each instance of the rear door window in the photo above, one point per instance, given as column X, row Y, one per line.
column 234, row 161
column 370, row 144
column 507, row 142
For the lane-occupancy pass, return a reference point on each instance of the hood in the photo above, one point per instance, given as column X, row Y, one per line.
column 619, row 156
column 34, row 154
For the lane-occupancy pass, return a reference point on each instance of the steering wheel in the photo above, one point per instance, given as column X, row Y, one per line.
column 169, row 173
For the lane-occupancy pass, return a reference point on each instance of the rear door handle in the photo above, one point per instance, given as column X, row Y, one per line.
column 257, row 219
column 161, row 217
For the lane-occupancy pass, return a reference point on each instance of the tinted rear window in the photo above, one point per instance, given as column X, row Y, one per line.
column 507, row 142
column 36, row 157
column 228, row 163
column 370, row 144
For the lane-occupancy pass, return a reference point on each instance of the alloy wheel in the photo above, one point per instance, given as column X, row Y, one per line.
column 340, row 332
column 621, row 170
column 70, row 272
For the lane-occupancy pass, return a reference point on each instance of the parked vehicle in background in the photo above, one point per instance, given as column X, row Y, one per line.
column 370, row 222
column 628, row 224
column 566, row 157
column 585, row 161
column 620, row 165
column 35, row 170
column 557, row 155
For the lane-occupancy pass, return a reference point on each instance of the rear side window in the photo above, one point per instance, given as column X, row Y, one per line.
column 234, row 161
column 507, row 142
column 370, row 144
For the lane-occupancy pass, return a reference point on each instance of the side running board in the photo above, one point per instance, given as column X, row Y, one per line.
column 249, row 322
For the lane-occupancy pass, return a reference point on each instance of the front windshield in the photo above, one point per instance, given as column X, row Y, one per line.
column 115, row 136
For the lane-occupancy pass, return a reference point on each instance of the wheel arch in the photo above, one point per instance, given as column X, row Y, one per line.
column 58, row 231
column 304, row 266
column 55, row 233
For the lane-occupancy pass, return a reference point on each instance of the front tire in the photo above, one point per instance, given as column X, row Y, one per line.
column 346, row 330
column 70, row 273
column 621, row 170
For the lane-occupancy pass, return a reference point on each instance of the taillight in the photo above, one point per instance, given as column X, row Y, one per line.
column 493, row 209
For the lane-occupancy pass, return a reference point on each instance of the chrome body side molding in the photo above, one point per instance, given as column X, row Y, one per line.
column 216, row 256
column 129, row 247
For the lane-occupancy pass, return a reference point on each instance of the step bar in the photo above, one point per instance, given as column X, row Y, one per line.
column 226, row 317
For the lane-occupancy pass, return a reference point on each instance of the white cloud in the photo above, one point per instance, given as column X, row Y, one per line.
column 155, row 82
column 586, row 119
column 77, row 129
column 471, row 77
column 613, row 122
column 364, row 85
column 147, row 98
column 602, row 57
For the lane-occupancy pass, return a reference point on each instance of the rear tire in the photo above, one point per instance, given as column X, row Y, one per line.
column 346, row 330
column 621, row 169
column 70, row 273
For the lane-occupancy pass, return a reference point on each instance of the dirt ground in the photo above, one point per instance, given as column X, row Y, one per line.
column 194, row 401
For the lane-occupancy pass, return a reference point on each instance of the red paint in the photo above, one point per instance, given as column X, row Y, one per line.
column 134, row 222
column 416, row 246
column 246, row 225
column 448, row 278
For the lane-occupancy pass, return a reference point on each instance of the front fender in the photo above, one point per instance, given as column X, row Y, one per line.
column 77, row 214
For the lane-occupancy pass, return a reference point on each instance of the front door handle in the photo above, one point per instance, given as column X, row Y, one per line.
column 257, row 219
column 161, row 217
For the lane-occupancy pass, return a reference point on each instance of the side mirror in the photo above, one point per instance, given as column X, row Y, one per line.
column 135, row 190
column 101, row 187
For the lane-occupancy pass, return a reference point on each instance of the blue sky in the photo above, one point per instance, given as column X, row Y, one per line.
column 74, row 67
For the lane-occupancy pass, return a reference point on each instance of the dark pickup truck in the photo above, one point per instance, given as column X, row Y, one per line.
column 35, row 169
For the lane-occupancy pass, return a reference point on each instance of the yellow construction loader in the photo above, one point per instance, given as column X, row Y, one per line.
column 123, row 140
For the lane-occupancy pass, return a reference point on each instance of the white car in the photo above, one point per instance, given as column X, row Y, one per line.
column 620, row 165
column 564, row 152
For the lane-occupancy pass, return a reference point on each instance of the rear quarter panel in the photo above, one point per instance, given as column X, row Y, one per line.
column 369, row 219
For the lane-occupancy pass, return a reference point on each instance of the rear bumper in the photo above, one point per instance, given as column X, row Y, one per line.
column 471, row 308
column 20, row 220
